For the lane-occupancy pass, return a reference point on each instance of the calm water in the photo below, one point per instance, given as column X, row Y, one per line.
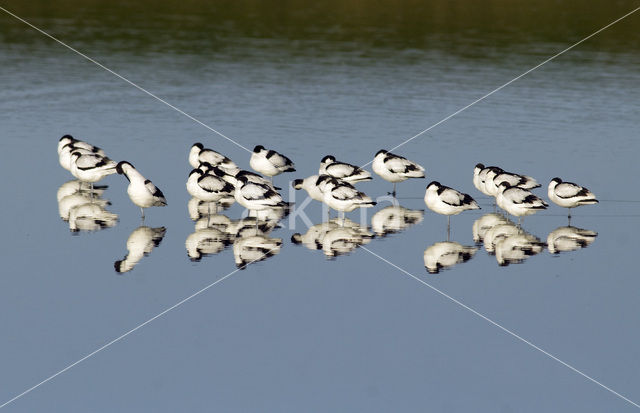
column 298, row 331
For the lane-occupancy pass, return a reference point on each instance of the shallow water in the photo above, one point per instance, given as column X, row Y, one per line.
column 319, row 330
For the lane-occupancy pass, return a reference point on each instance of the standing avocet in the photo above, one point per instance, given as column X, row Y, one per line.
column 142, row 191
column 269, row 162
column 569, row 195
column 395, row 168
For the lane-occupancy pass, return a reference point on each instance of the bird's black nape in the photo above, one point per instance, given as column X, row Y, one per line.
column 120, row 165
column 258, row 148
column 383, row 151
column 434, row 183
column 66, row 137
column 328, row 158
column 198, row 145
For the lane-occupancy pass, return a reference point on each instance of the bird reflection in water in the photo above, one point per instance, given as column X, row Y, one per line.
column 334, row 237
column 394, row 219
column 564, row 239
column 485, row 223
column 254, row 248
column 446, row 254
column 248, row 236
column 506, row 240
column 139, row 244
column 84, row 209
column 206, row 241
column 199, row 209
column 516, row 248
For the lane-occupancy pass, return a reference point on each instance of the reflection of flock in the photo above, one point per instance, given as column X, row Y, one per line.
column 249, row 237
column 83, row 209
column 216, row 182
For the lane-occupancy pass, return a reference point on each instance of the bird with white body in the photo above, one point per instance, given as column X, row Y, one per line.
column 255, row 196
column 142, row 191
column 344, row 197
column 90, row 167
column 395, row 168
column 269, row 162
column 341, row 170
column 496, row 176
column 569, row 195
column 207, row 187
column 480, row 175
column 199, row 154
column 517, row 201
column 447, row 201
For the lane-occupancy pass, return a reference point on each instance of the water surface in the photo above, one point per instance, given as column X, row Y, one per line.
column 299, row 331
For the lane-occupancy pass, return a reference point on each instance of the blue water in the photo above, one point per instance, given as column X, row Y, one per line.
column 298, row 331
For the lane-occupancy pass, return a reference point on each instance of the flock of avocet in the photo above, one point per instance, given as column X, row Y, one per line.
column 216, row 177
column 216, row 182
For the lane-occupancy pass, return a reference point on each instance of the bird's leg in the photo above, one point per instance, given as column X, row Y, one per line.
column 394, row 190
column 341, row 217
column 448, row 227
column 142, row 211
column 569, row 217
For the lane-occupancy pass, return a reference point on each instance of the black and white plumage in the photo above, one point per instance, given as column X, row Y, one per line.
column 344, row 197
column 518, row 201
column 443, row 255
column 395, row 168
column 447, row 201
column 139, row 244
column 311, row 184
column 269, row 162
column 569, row 195
column 199, row 154
column 64, row 154
column 90, row 167
column 232, row 177
column 564, row 239
column 480, row 175
column 207, row 187
column 254, row 196
column 142, row 191
column 341, row 170
column 70, row 140
column 496, row 176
